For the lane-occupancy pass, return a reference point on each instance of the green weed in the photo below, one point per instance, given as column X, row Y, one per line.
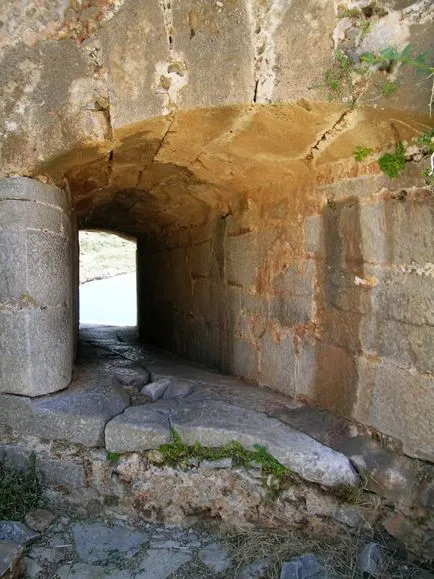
column 112, row 456
column 178, row 453
column 392, row 163
column 361, row 153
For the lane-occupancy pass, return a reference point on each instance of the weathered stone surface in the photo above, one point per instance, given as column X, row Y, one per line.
column 39, row 520
column 10, row 559
column 96, row 542
column 370, row 561
column 160, row 563
column 214, row 423
column 390, row 400
column 256, row 570
column 156, row 389
column 35, row 289
column 303, row 567
column 78, row 414
column 17, row 533
column 80, row 570
column 215, row 558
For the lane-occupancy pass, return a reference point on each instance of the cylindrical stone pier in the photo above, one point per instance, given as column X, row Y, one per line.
column 35, row 288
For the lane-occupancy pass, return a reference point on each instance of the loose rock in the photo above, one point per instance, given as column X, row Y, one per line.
column 215, row 558
column 370, row 560
column 39, row 519
column 256, row 570
column 303, row 567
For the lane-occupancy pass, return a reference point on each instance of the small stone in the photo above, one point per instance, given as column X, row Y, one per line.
column 370, row 560
column 39, row 519
column 11, row 555
column 155, row 457
column 65, row 521
column 302, row 567
column 31, row 567
column 155, row 390
column 17, row 532
column 134, row 377
column 216, row 464
column 179, row 389
column 215, row 558
column 256, row 570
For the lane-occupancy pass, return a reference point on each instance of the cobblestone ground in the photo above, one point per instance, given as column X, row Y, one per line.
column 65, row 548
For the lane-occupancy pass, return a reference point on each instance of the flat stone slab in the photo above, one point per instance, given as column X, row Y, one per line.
column 215, row 423
column 215, row 558
column 17, row 532
column 11, row 555
column 78, row 414
column 161, row 563
column 95, row 542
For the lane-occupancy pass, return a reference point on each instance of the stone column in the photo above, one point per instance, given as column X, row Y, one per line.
column 36, row 344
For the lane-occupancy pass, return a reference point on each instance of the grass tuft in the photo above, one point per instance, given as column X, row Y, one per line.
column 20, row 492
column 178, row 453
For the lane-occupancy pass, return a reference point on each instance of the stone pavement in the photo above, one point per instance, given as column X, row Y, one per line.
column 117, row 549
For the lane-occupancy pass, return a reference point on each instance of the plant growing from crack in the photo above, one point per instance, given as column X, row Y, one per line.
column 392, row 163
column 178, row 453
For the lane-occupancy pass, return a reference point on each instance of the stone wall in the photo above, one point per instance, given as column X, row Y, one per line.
column 329, row 299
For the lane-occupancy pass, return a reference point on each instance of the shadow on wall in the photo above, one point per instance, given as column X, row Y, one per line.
column 336, row 378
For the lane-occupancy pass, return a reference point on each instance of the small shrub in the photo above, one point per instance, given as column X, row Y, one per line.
column 361, row 153
column 20, row 492
column 392, row 163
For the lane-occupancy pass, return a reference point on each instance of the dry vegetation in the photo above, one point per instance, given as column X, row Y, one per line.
column 105, row 255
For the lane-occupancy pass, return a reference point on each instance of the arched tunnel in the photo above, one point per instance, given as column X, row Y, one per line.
column 212, row 133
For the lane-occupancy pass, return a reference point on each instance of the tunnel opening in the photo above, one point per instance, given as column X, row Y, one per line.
column 108, row 286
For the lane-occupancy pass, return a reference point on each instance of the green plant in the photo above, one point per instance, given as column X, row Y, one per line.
column 177, row 452
column 345, row 12
column 20, row 492
column 361, row 153
column 338, row 77
column 426, row 141
column 392, row 163
column 389, row 88
column 112, row 456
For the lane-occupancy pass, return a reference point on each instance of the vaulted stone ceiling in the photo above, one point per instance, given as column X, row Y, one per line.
column 160, row 114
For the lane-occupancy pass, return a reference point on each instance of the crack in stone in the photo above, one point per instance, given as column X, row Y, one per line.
column 331, row 132
column 264, row 22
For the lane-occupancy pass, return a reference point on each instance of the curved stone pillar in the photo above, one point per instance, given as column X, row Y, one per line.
column 35, row 288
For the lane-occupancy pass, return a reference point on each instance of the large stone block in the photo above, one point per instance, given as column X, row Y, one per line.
column 404, row 295
column 214, row 42
column 133, row 44
column 405, row 345
column 77, row 415
column 398, row 232
column 400, row 403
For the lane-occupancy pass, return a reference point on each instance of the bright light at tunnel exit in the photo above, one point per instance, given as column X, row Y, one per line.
column 107, row 279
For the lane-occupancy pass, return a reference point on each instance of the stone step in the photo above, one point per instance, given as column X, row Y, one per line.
column 215, row 423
